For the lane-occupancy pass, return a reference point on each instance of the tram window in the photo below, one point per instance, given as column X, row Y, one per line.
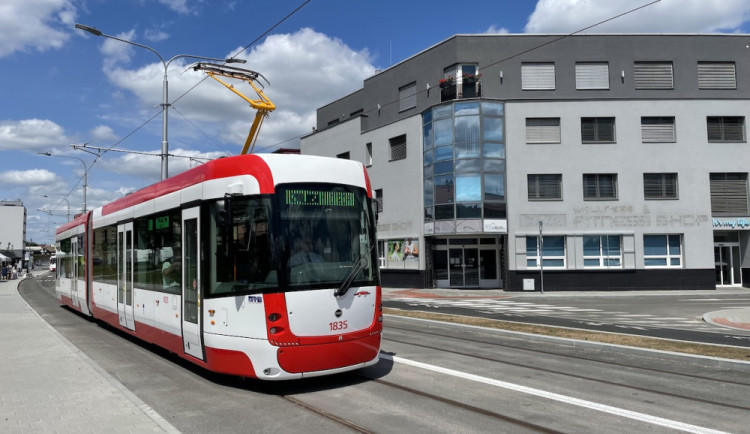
column 79, row 257
column 239, row 236
column 327, row 235
column 158, row 244
column 63, row 257
column 104, row 262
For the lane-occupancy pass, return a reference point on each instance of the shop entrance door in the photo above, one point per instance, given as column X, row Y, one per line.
column 727, row 261
column 464, row 267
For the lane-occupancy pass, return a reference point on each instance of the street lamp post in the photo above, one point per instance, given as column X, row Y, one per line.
column 63, row 198
column 85, row 173
column 165, row 87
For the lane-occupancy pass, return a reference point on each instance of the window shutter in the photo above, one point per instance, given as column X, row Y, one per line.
column 660, row 185
column 592, row 76
column 542, row 187
column 729, row 194
column 716, row 75
column 542, row 130
column 407, row 97
column 653, row 75
column 725, row 128
column 658, row 130
column 538, row 76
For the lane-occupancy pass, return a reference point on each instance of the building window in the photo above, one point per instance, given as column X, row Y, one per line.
column 716, row 75
column 653, row 75
column 726, row 128
column 448, row 83
column 550, row 252
column 602, row 251
column 662, row 251
column 600, row 186
column 592, row 75
column 343, row 155
column 660, row 185
column 368, row 154
column 729, row 194
column 545, row 187
column 407, row 97
column 658, row 129
column 538, row 76
column 379, row 199
column 542, row 130
column 398, row 147
column 598, row 130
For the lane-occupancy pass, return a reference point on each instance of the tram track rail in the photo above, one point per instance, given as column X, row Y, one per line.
column 568, row 374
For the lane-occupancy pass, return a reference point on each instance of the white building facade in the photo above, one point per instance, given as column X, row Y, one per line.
column 13, row 228
column 592, row 162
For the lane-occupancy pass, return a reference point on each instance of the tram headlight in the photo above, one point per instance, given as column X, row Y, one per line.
column 274, row 317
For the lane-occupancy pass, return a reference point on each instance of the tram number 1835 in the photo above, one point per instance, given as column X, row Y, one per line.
column 338, row 325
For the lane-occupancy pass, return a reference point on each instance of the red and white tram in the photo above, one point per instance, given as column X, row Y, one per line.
column 259, row 266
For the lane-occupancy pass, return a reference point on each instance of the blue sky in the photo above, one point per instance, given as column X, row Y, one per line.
column 62, row 86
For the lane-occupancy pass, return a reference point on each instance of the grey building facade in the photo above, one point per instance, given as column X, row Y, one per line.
column 599, row 162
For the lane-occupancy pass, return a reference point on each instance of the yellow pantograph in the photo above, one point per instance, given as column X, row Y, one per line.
column 263, row 105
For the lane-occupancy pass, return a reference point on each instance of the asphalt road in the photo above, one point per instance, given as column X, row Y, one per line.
column 433, row 377
column 676, row 315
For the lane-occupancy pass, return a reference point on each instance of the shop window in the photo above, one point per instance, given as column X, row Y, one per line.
column 662, row 251
column 550, row 252
column 602, row 251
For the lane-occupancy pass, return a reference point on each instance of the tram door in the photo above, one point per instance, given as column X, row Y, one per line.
column 74, row 264
column 191, row 283
column 125, row 275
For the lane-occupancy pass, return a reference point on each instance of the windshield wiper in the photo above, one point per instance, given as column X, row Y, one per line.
column 347, row 283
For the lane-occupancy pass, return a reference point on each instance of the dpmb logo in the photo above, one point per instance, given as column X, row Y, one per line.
column 731, row 223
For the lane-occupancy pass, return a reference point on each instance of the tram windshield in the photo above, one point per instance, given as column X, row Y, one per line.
column 305, row 236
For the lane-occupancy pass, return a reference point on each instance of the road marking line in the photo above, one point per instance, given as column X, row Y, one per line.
column 655, row 420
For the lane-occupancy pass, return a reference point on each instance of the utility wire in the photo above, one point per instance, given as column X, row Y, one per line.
column 505, row 59
column 536, row 47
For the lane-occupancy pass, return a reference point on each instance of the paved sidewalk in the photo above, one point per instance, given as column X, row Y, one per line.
column 48, row 385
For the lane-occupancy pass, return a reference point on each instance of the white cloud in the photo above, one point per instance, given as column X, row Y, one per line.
column 34, row 25
column 306, row 69
column 667, row 16
column 117, row 52
column 103, row 133
column 179, row 6
column 155, row 35
column 30, row 134
column 493, row 30
column 31, row 177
